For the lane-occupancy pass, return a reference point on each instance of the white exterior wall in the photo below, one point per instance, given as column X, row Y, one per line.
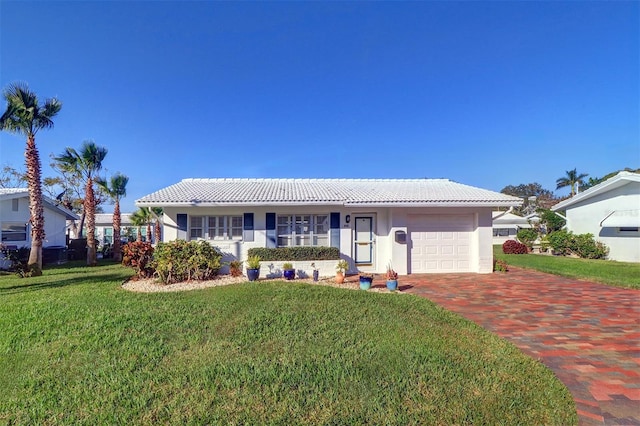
column 386, row 250
column 54, row 223
column 585, row 217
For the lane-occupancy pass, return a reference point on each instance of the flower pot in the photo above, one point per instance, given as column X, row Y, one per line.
column 365, row 283
column 316, row 275
column 289, row 274
column 339, row 278
column 392, row 285
column 253, row 274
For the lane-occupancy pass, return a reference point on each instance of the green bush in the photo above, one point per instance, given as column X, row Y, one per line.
column 181, row 260
column 295, row 253
column 527, row 236
column 587, row 248
column 551, row 220
column 565, row 242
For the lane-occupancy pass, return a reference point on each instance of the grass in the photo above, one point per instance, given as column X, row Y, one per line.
column 77, row 349
column 619, row 274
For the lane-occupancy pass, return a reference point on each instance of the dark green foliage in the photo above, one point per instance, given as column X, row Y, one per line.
column 527, row 236
column 295, row 253
column 514, row 247
column 181, row 260
column 583, row 245
column 139, row 256
column 550, row 220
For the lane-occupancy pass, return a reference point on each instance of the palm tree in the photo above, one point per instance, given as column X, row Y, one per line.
column 86, row 163
column 571, row 179
column 116, row 188
column 142, row 217
column 157, row 214
column 26, row 116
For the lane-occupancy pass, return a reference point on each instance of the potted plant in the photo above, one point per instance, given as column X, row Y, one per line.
column 288, row 271
column 365, row 281
column 235, row 268
column 316, row 273
column 253, row 268
column 341, row 269
column 392, row 279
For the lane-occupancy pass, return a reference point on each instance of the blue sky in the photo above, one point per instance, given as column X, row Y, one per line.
column 484, row 93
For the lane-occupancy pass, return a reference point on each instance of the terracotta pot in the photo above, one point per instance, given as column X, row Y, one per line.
column 339, row 278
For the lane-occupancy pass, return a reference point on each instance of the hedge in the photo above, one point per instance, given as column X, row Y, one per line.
column 295, row 253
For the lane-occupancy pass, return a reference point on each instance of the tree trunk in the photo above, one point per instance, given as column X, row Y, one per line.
column 117, row 220
column 149, row 239
column 36, row 210
column 158, row 230
column 90, row 209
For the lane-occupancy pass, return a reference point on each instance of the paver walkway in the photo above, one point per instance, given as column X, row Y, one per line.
column 587, row 333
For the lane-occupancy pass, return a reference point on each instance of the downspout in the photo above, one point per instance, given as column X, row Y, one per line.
column 566, row 220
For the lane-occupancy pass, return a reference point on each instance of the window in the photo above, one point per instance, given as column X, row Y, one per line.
column 217, row 227
column 15, row 204
column 107, row 238
column 500, row 232
column 12, row 231
column 303, row 230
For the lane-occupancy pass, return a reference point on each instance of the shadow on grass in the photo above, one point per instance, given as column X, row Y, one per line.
column 22, row 288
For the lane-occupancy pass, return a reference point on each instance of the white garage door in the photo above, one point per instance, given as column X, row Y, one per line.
column 440, row 243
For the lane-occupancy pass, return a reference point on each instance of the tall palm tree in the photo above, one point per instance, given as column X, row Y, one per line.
column 571, row 179
column 157, row 214
column 142, row 217
column 116, row 188
column 86, row 163
column 26, row 116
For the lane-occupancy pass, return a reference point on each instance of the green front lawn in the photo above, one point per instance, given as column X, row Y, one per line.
column 620, row 274
column 77, row 349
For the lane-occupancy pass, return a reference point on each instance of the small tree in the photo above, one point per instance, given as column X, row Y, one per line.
column 116, row 189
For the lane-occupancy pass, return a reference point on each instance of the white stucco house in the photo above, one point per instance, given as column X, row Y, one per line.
column 611, row 212
column 417, row 225
column 104, row 228
column 506, row 225
column 14, row 220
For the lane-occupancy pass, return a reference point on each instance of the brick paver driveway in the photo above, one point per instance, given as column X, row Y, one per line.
column 587, row 333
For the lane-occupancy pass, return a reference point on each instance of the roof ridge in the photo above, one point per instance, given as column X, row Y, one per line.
column 228, row 179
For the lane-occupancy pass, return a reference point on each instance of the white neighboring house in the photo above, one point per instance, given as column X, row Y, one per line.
column 104, row 228
column 15, row 230
column 416, row 225
column 506, row 225
column 611, row 212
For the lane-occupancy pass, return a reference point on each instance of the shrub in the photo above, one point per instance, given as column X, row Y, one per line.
column 583, row 245
column 181, row 260
column 295, row 253
column 514, row 247
column 235, row 268
column 253, row 262
column 139, row 256
column 587, row 248
column 560, row 241
column 527, row 237
column 500, row 266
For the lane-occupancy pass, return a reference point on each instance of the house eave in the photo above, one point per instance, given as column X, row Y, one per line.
column 419, row 204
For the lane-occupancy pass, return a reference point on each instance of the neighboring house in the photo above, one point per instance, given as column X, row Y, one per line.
column 104, row 228
column 611, row 212
column 14, row 220
column 506, row 225
column 416, row 225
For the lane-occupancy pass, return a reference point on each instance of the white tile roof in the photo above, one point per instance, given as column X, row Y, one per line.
column 405, row 192
column 622, row 178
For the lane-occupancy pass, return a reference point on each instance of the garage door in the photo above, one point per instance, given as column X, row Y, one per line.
column 440, row 243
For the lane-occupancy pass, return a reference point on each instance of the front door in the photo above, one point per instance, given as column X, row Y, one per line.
column 363, row 239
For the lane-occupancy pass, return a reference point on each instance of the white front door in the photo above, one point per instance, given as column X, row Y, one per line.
column 363, row 239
